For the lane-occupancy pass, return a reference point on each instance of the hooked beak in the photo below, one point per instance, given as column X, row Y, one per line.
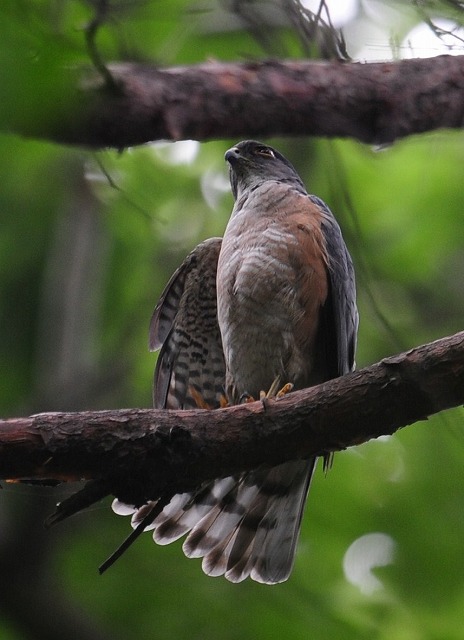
column 232, row 155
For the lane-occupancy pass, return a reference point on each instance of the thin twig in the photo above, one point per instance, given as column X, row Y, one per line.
column 101, row 12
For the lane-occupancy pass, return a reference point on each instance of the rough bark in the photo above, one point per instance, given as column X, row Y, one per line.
column 375, row 103
column 139, row 454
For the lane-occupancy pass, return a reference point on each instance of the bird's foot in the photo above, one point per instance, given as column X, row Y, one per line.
column 274, row 391
column 198, row 399
column 223, row 402
column 288, row 386
column 201, row 402
column 245, row 398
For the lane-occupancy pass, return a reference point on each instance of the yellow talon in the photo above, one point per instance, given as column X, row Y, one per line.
column 198, row 399
column 285, row 389
column 202, row 404
column 274, row 392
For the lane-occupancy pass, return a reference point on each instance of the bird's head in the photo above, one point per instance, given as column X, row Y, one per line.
column 251, row 163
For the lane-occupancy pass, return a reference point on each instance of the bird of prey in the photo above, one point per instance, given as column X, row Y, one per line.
column 271, row 304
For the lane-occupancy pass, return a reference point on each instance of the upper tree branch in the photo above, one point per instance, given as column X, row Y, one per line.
column 140, row 454
column 375, row 103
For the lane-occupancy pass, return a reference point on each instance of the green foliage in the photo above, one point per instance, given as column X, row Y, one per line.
column 82, row 263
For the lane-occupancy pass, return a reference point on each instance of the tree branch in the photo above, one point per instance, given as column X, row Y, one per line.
column 138, row 454
column 375, row 103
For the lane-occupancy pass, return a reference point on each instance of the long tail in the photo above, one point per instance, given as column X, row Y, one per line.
column 241, row 526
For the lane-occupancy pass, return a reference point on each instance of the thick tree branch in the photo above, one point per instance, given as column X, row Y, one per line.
column 375, row 103
column 140, row 454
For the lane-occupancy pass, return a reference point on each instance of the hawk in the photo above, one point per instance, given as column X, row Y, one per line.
column 271, row 303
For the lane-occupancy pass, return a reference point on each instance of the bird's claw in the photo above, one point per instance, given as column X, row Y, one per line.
column 285, row 389
column 275, row 392
column 198, row 399
column 201, row 402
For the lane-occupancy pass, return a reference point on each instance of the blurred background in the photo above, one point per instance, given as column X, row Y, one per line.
column 88, row 241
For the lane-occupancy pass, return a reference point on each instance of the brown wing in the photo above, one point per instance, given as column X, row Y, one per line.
column 184, row 324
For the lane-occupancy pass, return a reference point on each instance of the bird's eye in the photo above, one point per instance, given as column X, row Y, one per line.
column 265, row 151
